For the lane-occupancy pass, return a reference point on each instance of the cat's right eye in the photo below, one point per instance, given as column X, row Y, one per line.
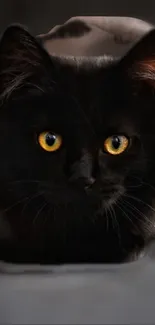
column 50, row 141
column 116, row 144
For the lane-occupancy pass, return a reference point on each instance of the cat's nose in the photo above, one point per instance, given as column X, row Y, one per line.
column 95, row 187
column 83, row 183
column 89, row 182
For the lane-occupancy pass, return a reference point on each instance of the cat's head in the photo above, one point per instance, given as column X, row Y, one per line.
column 77, row 139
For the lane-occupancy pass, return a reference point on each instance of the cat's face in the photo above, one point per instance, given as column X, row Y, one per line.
column 77, row 159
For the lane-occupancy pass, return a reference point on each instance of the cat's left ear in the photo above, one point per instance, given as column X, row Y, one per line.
column 139, row 62
column 20, row 57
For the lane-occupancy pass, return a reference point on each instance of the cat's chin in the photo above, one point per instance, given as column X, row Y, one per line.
column 106, row 201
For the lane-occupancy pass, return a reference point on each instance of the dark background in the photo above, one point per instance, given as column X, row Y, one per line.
column 41, row 15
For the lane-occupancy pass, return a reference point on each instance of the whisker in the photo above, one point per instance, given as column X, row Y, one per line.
column 135, row 217
column 39, row 211
column 116, row 223
column 139, row 200
column 150, row 185
column 107, row 217
column 30, row 200
column 49, row 214
column 15, row 204
column 140, row 213
column 109, row 211
column 126, row 215
column 111, row 215
column 144, row 182
column 146, row 227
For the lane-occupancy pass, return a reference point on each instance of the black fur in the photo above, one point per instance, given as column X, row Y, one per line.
column 78, row 204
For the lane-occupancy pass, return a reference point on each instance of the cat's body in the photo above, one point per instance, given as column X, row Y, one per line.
column 78, row 202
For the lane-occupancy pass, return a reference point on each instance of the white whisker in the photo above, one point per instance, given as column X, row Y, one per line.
column 39, row 211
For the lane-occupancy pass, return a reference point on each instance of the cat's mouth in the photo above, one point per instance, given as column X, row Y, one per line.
column 95, row 195
column 107, row 195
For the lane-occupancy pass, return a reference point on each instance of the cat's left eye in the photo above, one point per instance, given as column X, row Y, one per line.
column 116, row 144
column 50, row 141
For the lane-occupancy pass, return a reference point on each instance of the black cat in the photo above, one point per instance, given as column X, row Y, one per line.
column 77, row 157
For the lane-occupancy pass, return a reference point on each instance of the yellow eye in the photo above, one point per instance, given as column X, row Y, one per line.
column 50, row 141
column 116, row 144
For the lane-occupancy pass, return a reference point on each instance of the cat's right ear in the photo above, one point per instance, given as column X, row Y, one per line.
column 21, row 56
column 139, row 63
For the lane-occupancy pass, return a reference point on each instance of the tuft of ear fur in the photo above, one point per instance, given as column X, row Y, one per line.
column 21, row 56
column 139, row 62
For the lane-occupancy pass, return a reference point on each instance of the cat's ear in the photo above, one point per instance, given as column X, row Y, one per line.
column 20, row 57
column 139, row 62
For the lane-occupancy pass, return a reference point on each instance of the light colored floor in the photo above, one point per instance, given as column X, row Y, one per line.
column 79, row 295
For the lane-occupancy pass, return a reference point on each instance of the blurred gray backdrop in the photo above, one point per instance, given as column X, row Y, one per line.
column 41, row 15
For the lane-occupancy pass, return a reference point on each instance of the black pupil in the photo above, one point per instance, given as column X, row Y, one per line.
column 50, row 139
column 116, row 142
